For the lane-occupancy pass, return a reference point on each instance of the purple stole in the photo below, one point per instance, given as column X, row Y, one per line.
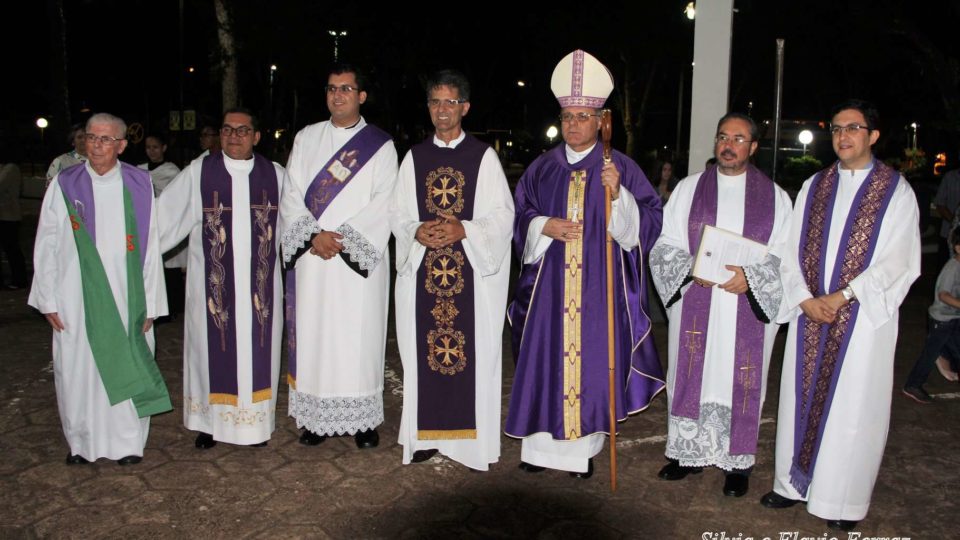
column 329, row 182
column 446, row 363
column 821, row 347
column 216, row 192
column 77, row 185
column 759, row 209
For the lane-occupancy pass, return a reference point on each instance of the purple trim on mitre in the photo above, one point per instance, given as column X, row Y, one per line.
column 582, row 101
column 576, row 83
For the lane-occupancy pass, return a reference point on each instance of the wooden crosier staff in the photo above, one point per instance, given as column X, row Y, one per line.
column 606, row 132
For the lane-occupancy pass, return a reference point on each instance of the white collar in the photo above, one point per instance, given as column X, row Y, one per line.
column 573, row 156
column 452, row 144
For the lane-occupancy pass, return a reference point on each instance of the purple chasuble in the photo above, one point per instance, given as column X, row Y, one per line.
column 77, row 185
column 821, row 347
column 216, row 192
column 758, row 213
column 446, row 363
column 329, row 182
column 558, row 315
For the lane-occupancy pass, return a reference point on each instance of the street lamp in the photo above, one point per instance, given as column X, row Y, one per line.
column 805, row 138
column 690, row 10
column 521, row 84
column 42, row 124
column 336, row 35
column 914, row 127
column 552, row 132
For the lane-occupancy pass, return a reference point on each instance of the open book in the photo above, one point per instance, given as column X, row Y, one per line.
column 718, row 248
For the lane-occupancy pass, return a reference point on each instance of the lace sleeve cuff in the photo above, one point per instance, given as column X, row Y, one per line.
column 297, row 235
column 763, row 280
column 670, row 269
column 360, row 250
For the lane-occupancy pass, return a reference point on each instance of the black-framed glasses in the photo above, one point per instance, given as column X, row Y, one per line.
column 849, row 129
column 241, row 131
column 736, row 140
column 105, row 140
column 343, row 89
column 434, row 103
column 579, row 117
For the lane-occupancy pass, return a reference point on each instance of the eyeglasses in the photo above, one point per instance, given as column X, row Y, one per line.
column 105, row 140
column 579, row 117
column 241, row 131
column 343, row 89
column 851, row 129
column 434, row 103
column 736, row 140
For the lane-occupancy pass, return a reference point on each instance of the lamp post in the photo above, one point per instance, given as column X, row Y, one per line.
column 552, row 132
column 336, row 35
column 42, row 124
column 522, row 84
column 914, row 126
column 805, row 138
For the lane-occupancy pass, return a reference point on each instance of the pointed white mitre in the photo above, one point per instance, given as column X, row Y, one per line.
column 580, row 80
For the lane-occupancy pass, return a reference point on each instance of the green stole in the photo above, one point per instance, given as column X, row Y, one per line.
column 124, row 360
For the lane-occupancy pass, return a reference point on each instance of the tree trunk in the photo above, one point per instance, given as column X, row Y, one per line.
column 228, row 56
column 59, row 100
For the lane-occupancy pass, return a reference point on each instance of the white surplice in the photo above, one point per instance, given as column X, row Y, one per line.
column 487, row 247
column 856, row 429
column 341, row 319
column 180, row 209
column 176, row 256
column 92, row 426
column 705, row 441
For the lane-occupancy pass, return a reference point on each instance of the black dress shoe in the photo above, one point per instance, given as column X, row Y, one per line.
column 675, row 471
column 775, row 500
column 258, row 445
column 75, row 459
column 736, row 485
column 129, row 460
column 204, row 441
column 422, row 455
column 584, row 475
column 841, row 525
column 367, row 439
column 526, row 467
column 310, row 438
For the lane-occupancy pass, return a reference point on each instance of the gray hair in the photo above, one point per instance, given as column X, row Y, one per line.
column 107, row 118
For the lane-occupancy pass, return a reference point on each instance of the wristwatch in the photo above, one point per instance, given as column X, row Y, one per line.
column 848, row 294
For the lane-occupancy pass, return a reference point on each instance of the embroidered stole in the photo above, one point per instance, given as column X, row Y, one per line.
column 821, row 347
column 123, row 358
column 759, row 209
column 326, row 185
column 216, row 193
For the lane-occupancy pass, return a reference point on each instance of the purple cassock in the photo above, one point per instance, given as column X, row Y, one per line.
column 559, row 313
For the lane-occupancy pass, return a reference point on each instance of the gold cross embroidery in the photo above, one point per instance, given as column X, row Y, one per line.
column 746, row 379
column 447, row 351
column 444, row 192
column 578, row 195
column 216, row 204
column 266, row 204
column 693, row 345
column 444, row 272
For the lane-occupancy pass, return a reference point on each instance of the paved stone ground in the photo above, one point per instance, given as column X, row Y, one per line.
column 287, row 490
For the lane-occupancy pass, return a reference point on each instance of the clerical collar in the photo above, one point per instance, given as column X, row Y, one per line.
column 573, row 156
column 452, row 144
column 854, row 172
column 357, row 123
column 115, row 170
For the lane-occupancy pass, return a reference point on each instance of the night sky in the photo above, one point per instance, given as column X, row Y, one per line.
column 123, row 57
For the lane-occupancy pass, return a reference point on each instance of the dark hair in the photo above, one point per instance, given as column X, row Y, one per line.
column 673, row 173
column 73, row 132
column 160, row 138
column 954, row 239
column 343, row 67
column 754, row 132
column 243, row 110
column 451, row 78
column 867, row 109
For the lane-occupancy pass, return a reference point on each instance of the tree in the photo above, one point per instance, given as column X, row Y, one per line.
column 228, row 56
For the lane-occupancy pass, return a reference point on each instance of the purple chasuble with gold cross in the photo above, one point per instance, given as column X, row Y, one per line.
column 758, row 213
column 559, row 315
column 216, row 192
column 821, row 348
column 446, row 362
